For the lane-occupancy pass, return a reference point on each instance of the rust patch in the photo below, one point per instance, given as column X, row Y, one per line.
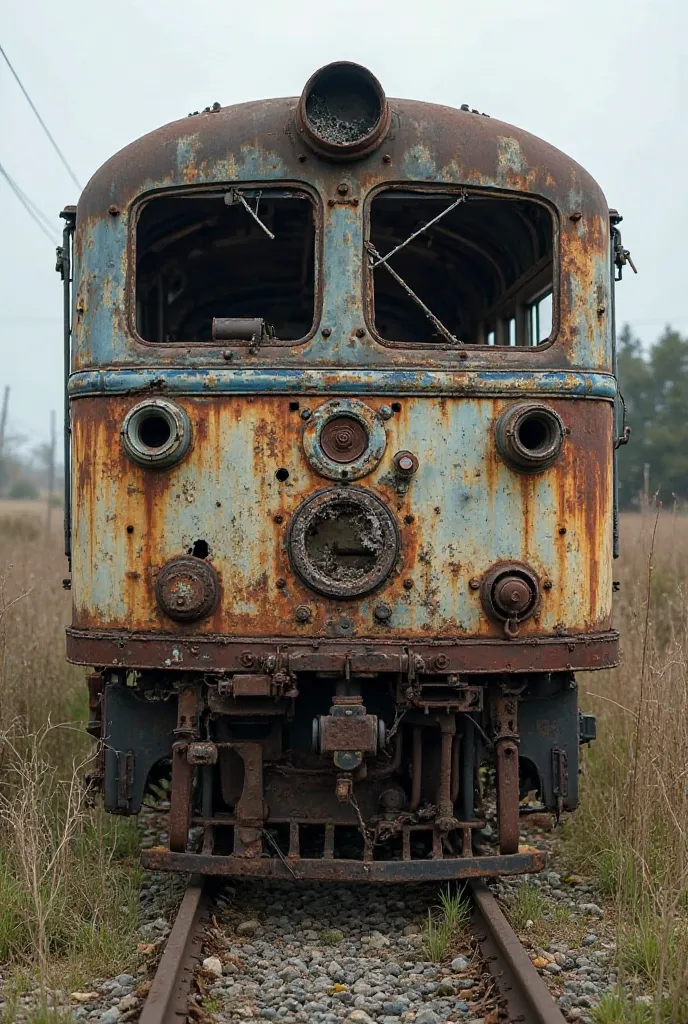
column 227, row 492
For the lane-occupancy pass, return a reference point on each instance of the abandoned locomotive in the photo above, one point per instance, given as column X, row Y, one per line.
column 341, row 520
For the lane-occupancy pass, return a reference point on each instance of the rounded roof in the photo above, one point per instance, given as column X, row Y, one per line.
column 259, row 140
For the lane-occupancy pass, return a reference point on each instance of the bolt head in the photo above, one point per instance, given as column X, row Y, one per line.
column 405, row 463
column 382, row 612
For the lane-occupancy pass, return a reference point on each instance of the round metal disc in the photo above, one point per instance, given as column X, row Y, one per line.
column 187, row 589
column 343, row 439
column 512, row 595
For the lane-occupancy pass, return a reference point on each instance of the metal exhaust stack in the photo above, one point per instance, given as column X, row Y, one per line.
column 343, row 111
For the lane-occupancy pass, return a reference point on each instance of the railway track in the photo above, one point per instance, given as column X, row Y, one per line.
column 518, row 995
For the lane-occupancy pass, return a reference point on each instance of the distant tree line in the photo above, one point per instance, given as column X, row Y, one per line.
column 654, row 384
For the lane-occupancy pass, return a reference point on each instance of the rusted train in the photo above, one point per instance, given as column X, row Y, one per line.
column 341, row 426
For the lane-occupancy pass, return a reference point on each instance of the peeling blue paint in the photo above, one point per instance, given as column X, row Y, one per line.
column 337, row 381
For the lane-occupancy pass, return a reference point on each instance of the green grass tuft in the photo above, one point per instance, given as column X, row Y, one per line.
column 446, row 925
column 528, row 904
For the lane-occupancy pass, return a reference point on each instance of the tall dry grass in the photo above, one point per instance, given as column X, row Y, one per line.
column 68, row 875
column 631, row 830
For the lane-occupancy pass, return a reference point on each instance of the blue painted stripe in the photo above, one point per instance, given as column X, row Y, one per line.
column 342, row 382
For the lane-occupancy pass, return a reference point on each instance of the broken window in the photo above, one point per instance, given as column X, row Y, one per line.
column 246, row 253
column 461, row 269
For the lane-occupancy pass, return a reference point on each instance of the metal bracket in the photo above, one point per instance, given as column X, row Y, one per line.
column 625, row 435
column 125, row 778
column 560, row 777
column 622, row 257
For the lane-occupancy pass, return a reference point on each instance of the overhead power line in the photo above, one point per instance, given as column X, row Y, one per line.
column 42, row 123
column 22, row 194
column 33, row 211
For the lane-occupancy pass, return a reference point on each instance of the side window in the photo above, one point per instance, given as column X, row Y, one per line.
column 461, row 267
column 240, row 255
column 540, row 319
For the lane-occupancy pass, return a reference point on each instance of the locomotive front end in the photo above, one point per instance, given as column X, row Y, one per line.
column 342, row 429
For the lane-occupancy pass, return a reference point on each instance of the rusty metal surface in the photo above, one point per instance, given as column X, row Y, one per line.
column 326, row 445
column 343, row 543
column 348, row 729
column 343, row 439
column 218, row 653
column 333, row 870
column 505, row 736
column 186, row 589
column 182, row 768
column 259, row 143
column 523, row 996
column 167, row 1000
column 317, row 512
column 349, row 136
column 461, row 510
column 460, row 382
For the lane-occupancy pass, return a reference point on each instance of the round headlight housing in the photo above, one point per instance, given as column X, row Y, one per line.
column 156, row 433
column 530, row 436
column 343, row 111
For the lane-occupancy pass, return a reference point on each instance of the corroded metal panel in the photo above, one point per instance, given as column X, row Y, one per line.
column 528, row 859
column 257, row 143
column 352, row 381
column 462, row 511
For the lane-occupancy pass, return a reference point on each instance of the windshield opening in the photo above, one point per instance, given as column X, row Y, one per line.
column 461, row 269
column 243, row 253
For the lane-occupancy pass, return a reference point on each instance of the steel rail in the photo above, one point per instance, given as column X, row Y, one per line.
column 523, row 994
column 168, row 998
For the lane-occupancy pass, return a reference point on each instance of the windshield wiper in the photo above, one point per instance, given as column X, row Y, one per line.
column 444, row 331
column 383, row 259
column 235, row 196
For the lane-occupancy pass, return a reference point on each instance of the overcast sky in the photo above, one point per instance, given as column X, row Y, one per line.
column 604, row 80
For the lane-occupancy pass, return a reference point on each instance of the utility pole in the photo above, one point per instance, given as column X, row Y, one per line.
column 51, row 471
column 3, row 425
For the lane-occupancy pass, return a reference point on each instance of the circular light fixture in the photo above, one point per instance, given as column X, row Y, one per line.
column 343, row 542
column 156, row 433
column 343, row 112
column 530, row 436
column 344, row 439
